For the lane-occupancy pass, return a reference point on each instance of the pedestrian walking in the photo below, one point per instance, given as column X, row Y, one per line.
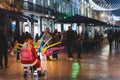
column 3, row 50
column 110, row 39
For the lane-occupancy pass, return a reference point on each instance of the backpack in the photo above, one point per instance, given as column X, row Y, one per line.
column 25, row 53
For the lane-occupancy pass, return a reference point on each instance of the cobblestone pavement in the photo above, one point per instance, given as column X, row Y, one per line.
column 95, row 65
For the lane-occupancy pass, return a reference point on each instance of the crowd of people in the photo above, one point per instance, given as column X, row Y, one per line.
column 70, row 39
column 113, row 36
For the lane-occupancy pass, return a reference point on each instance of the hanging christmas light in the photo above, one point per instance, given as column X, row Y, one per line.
column 104, row 6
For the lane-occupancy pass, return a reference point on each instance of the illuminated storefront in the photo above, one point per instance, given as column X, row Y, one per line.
column 46, row 11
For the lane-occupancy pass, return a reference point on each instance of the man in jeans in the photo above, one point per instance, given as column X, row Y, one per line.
column 71, row 37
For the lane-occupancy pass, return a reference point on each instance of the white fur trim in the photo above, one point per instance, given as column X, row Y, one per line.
column 27, row 65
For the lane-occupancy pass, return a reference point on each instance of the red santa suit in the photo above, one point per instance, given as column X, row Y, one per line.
column 34, row 61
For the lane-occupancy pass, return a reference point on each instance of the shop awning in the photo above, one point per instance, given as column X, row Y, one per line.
column 30, row 18
column 82, row 19
column 20, row 15
column 17, row 15
column 13, row 14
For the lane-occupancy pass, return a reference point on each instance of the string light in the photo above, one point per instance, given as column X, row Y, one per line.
column 104, row 7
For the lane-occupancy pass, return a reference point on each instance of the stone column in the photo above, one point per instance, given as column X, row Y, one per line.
column 21, row 28
column 32, row 27
column 17, row 31
column 40, row 24
column 62, row 29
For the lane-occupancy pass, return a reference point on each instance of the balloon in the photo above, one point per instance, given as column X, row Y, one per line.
column 53, row 50
column 40, row 42
column 51, row 58
column 44, row 49
column 17, row 46
column 58, row 51
column 47, row 42
column 37, row 44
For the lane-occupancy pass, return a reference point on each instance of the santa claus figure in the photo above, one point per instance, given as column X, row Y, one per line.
column 28, row 56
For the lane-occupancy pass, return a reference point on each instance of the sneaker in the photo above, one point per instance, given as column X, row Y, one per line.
column 70, row 58
column 41, row 74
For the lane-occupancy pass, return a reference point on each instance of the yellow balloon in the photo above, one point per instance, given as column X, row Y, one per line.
column 17, row 46
column 44, row 49
column 51, row 57
column 39, row 41
column 37, row 44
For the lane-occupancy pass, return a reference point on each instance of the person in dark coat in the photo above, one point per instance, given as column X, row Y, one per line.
column 37, row 37
column 71, row 37
column 116, row 37
column 3, row 50
column 110, row 38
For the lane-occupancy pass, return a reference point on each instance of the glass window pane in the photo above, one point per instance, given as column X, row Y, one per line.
column 34, row 1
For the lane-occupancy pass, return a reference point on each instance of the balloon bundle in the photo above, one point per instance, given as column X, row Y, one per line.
column 43, row 48
column 53, row 50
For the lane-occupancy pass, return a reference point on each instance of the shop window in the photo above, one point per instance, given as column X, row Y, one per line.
column 34, row 1
column 26, row 29
column 13, row 26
